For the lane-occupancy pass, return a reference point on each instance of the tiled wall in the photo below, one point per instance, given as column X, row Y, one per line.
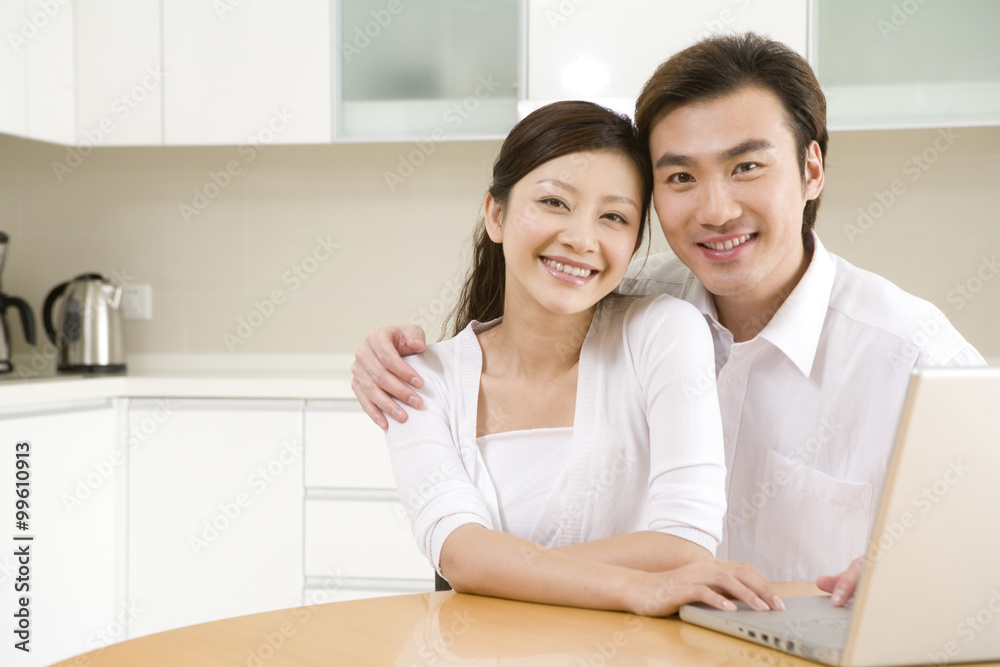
column 261, row 244
column 922, row 208
column 256, row 247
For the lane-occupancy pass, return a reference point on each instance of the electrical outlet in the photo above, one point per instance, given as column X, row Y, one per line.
column 137, row 302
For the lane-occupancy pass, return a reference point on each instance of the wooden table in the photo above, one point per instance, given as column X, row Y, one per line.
column 440, row 629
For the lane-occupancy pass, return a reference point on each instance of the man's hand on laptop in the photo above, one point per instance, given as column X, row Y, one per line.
column 841, row 586
column 380, row 374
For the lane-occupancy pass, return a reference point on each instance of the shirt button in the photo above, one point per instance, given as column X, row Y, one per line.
column 733, row 380
column 725, row 440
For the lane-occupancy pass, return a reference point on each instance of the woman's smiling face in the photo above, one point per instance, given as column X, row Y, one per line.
column 569, row 230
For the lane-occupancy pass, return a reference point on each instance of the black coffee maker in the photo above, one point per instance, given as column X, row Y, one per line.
column 27, row 318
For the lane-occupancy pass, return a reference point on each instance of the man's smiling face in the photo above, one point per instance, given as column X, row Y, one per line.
column 729, row 193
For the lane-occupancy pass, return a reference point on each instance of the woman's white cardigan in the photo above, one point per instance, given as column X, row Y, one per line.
column 646, row 452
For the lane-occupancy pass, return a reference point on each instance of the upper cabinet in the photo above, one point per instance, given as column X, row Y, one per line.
column 604, row 50
column 892, row 64
column 431, row 69
column 247, row 71
column 13, row 70
column 86, row 73
column 150, row 72
column 36, row 70
column 119, row 73
column 197, row 72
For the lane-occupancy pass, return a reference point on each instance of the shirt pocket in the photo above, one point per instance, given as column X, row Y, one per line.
column 814, row 524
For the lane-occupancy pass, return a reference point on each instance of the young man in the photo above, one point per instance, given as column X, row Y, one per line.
column 813, row 355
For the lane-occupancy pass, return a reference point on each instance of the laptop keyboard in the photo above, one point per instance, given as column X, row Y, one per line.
column 835, row 623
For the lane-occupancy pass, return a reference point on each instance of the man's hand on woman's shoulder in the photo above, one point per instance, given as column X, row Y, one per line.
column 379, row 374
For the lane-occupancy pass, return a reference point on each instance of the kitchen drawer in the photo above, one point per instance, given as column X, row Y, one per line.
column 362, row 539
column 323, row 596
column 344, row 449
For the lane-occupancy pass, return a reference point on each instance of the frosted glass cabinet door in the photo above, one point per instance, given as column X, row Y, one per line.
column 605, row 50
column 254, row 72
column 432, row 69
column 892, row 64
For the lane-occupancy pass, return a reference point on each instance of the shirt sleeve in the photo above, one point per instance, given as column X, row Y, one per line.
column 967, row 356
column 434, row 486
column 657, row 274
column 944, row 346
column 673, row 355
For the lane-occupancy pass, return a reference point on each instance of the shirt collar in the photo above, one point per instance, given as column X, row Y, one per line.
column 703, row 301
column 796, row 327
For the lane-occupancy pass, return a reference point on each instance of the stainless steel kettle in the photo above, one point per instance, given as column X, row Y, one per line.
column 87, row 329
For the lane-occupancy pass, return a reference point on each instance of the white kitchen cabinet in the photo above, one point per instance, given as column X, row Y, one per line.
column 605, row 50
column 327, row 589
column 428, row 70
column 247, row 72
column 888, row 64
column 148, row 72
column 344, row 449
column 358, row 541
column 14, row 68
column 77, row 596
column 119, row 73
column 251, row 72
column 215, row 511
column 364, row 538
column 50, row 82
column 82, row 73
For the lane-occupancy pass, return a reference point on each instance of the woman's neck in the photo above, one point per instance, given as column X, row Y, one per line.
column 534, row 343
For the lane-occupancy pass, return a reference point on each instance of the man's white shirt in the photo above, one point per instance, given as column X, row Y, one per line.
column 810, row 407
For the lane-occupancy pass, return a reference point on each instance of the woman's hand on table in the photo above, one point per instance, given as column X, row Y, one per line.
column 708, row 581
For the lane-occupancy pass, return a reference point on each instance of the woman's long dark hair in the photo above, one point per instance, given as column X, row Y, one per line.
column 551, row 132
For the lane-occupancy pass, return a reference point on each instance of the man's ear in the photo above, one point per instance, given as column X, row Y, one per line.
column 813, row 175
column 494, row 218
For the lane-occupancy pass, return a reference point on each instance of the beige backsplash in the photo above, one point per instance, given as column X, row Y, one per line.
column 258, row 247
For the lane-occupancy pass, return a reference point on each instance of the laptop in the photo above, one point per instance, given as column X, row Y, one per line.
column 930, row 591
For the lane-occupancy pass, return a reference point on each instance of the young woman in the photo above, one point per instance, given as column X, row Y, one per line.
column 569, row 450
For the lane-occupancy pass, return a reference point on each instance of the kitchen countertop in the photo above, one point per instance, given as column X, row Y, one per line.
column 183, row 376
column 35, row 382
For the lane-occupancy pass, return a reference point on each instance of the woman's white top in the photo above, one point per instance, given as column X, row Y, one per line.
column 522, row 465
column 646, row 449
